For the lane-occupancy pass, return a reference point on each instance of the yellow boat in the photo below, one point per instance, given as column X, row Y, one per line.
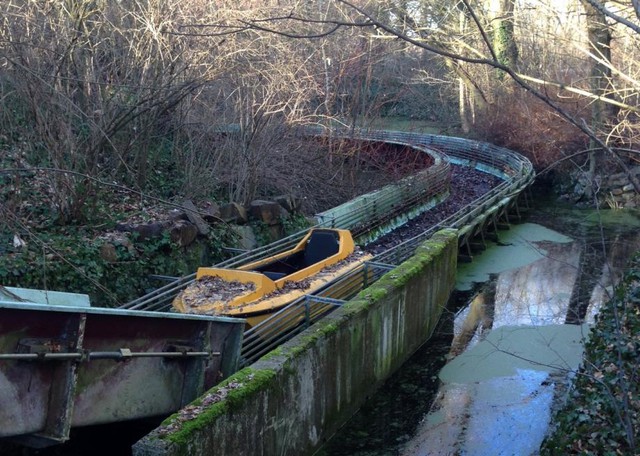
column 257, row 290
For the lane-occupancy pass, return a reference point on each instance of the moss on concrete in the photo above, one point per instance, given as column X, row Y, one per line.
column 284, row 357
column 329, row 328
column 275, row 353
column 252, row 381
column 372, row 294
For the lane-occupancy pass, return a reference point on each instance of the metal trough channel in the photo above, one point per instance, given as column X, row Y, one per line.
column 63, row 366
column 517, row 173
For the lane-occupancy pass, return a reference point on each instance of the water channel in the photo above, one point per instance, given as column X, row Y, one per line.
column 488, row 380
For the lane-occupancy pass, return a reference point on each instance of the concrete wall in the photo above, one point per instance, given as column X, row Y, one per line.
column 296, row 397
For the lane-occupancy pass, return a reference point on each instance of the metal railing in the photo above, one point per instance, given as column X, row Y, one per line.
column 303, row 312
column 517, row 173
column 376, row 208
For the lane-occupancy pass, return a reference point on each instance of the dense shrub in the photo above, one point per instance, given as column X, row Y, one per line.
column 524, row 123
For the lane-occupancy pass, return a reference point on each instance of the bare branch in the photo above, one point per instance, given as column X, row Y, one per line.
column 577, row 91
column 602, row 9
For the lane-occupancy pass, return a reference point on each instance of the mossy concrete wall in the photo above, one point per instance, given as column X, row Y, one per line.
column 296, row 397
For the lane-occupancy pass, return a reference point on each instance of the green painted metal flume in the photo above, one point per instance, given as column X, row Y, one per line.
column 205, row 435
column 471, row 221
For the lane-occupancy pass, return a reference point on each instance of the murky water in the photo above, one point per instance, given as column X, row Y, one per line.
column 505, row 335
column 115, row 439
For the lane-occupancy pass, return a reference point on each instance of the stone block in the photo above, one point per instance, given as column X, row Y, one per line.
column 268, row 212
column 149, row 230
column 211, row 212
column 246, row 237
column 177, row 214
column 233, row 213
column 289, row 202
column 195, row 218
column 145, row 230
column 183, row 233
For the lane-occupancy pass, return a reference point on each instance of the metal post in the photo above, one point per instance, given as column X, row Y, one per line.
column 307, row 312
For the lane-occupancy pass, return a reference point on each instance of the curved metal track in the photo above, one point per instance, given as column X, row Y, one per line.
column 516, row 173
column 370, row 212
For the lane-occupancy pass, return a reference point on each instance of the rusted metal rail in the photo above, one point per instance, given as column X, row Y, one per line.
column 63, row 366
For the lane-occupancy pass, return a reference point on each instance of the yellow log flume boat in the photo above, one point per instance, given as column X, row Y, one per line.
column 257, row 290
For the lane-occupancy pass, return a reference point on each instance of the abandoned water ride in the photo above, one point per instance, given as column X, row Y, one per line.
column 257, row 290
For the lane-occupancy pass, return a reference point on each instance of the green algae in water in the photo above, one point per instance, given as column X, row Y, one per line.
column 511, row 348
column 586, row 223
column 518, row 247
column 627, row 218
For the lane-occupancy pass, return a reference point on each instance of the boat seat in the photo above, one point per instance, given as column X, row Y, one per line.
column 274, row 275
column 321, row 245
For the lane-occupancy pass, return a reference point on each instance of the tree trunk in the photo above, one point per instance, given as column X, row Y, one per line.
column 602, row 113
column 504, row 42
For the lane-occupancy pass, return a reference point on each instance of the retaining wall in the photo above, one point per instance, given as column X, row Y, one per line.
column 618, row 190
column 296, row 397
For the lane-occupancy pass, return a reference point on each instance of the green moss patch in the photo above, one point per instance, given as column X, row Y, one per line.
column 224, row 398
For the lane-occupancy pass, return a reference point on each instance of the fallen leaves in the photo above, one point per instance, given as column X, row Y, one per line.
column 210, row 289
column 191, row 412
column 603, row 413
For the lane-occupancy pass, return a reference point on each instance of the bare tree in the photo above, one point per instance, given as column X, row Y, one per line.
column 479, row 52
column 97, row 82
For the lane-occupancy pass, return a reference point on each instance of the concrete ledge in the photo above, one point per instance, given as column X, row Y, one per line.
column 293, row 399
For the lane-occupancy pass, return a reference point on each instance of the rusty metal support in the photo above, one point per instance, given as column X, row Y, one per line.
column 117, row 355
column 517, row 209
column 63, row 383
column 65, row 366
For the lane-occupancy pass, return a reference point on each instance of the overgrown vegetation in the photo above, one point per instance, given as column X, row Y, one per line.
column 602, row 415
column 111, row 270
column 111, row 110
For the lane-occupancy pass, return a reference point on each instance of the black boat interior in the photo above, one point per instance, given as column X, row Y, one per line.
column 321, row 245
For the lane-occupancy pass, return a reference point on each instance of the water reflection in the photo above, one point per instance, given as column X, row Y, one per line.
column 539, row 293
column 520, row 246
column 618, row 250
column 511, row 352
column 496, row 393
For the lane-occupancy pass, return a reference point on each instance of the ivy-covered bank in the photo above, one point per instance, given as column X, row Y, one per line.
column 77, row 260
column 116, row 262
column 602, row 414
